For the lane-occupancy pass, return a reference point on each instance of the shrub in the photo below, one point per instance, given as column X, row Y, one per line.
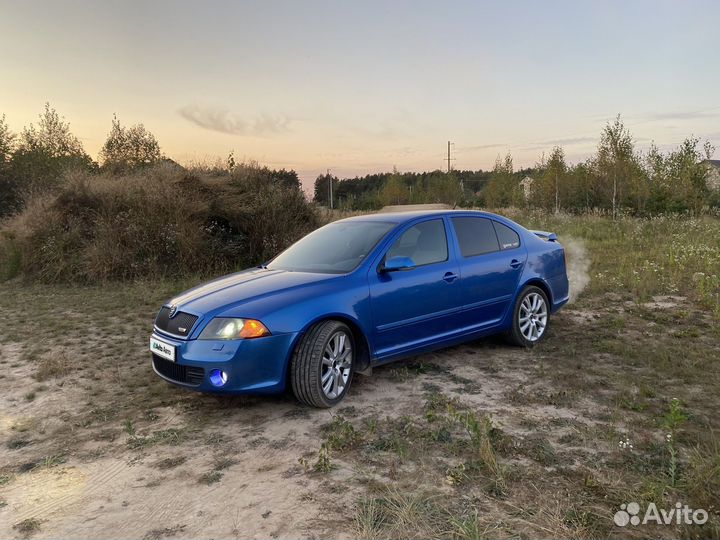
column 158, row 222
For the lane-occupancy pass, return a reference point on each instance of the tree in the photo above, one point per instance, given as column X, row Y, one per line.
column 130, row 148
column 617, row 165
column 7, row 141
column 322, row 189
column 687, row 174
column 501, row 190
column 45, row 152
column 395, row 191
column 553, row 179
column 445, row 188
column 9, row 193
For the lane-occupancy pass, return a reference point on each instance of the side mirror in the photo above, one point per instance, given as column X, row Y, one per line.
column 398, row 264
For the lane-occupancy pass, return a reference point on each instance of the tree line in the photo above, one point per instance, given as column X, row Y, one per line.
column 617, row 178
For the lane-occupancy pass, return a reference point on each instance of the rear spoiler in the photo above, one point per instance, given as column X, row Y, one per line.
column 547, row 236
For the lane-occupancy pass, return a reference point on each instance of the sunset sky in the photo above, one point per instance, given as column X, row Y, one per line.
column 363, row 86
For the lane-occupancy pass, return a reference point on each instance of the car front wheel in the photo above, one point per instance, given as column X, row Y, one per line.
column 531, row 317
column 322, row 365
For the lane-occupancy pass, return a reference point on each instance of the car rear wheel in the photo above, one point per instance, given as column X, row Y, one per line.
column 322, row 365
column 530, row 317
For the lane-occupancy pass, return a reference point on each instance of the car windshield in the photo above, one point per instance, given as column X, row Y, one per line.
column 337, row 248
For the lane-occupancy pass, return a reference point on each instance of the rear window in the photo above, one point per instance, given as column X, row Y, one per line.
column 475, row 235
column 508, row 238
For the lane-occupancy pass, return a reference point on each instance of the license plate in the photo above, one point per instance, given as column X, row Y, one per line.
column 162, row 349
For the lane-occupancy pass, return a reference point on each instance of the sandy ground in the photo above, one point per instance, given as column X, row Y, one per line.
column 104, row 487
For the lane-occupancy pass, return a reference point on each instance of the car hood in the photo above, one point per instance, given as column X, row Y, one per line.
column 235, row 289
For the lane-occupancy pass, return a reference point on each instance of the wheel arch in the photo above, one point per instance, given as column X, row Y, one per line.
column 364, row 354
column 537, row 282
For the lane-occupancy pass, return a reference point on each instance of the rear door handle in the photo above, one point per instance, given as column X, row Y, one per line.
column 515, row 263
column 450, row 277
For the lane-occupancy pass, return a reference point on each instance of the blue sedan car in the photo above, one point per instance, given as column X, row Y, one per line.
column 358, row 293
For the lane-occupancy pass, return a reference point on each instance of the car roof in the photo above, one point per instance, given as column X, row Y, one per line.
column 403, row 217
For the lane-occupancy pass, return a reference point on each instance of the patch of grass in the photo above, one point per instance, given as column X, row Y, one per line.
column 28, row 526
column 129, row 427
column 14, row 444
column 210, row 477
column 172, row 436
column 394, row 514
column 480, row 430
column 324, row 463
column 222, row 463
column 340, row 434
column 167, row 532
column 370, row 518
column 702, row 476
column 470, row 526
column 30, row 396
column 170, row 462
column 540, row 449
column 53, row 365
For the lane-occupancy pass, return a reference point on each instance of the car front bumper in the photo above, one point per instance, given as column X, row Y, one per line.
column 252, row 365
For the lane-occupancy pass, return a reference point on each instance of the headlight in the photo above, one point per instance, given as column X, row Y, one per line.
column 225, row 328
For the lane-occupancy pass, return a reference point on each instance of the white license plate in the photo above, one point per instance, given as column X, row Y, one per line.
column 165, row 350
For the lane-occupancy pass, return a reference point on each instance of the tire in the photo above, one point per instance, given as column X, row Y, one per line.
column 531, row 317
column 317, row 355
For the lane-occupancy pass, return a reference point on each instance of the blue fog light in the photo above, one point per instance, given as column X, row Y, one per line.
column 218, row 377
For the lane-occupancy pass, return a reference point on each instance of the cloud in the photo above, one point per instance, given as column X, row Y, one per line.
column 567, row 142
column 681, row 115
column 642, row 118
column 225, row 121
column 481, row 147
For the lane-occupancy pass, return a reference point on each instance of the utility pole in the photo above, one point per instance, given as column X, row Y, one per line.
column 449, row 160
column 330, row 184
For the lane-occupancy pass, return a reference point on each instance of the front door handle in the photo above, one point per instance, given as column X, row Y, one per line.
column 450, row 277
column 515, row 263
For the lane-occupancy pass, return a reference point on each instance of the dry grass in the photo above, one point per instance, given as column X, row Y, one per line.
column 156, row 223
column 53, row 365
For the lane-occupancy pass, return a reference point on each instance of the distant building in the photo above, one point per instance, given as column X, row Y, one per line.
column 713, row 177
column 526, row 185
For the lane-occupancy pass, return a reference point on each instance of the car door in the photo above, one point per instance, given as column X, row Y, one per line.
column 412, row 307
column 491, row 259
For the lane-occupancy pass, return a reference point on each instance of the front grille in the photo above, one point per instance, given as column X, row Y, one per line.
column 179, row 325
column 177, row 372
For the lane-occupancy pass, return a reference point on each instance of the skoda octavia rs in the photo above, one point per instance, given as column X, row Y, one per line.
column 358, row 293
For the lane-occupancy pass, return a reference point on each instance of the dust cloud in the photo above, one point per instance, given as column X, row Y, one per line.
column 578, row 265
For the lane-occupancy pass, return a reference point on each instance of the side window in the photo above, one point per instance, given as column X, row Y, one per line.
column 475, row 236
column 508, row 238
column 424, row 243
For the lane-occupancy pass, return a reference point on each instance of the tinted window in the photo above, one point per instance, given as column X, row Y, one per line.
column 508, row 238
column 335, row 248
column 424, row 243
column 475, row 235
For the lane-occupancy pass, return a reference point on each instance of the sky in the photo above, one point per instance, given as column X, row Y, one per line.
column 365, row 86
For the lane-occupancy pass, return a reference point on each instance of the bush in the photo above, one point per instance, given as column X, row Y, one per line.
column 160, row 222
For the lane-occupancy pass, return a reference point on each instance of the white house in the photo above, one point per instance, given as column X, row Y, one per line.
column 713, row 176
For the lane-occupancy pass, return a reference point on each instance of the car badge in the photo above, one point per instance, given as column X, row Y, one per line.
column 173, row 311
